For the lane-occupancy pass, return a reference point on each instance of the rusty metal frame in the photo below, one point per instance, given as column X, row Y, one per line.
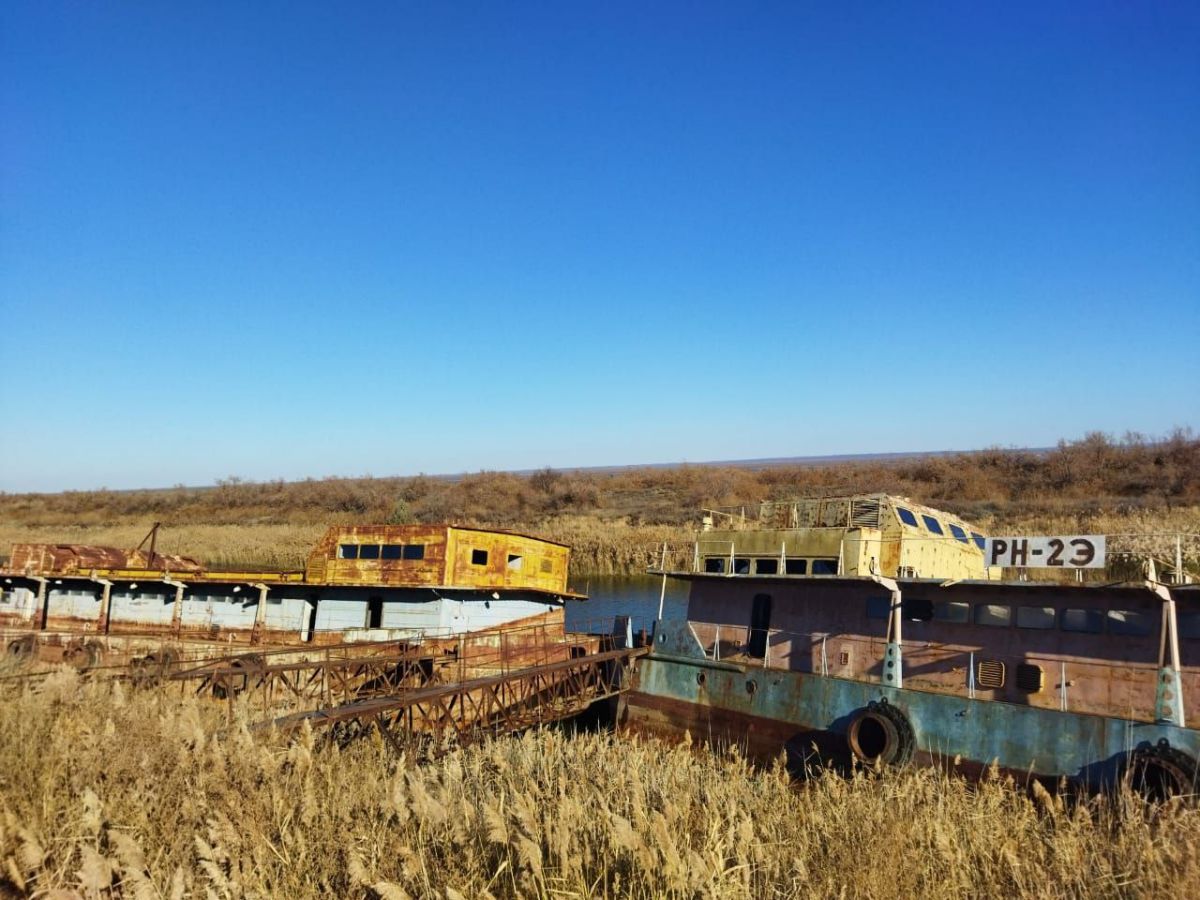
column 479, row 707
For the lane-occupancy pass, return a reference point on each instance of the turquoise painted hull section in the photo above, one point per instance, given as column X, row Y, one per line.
column 1019, row 739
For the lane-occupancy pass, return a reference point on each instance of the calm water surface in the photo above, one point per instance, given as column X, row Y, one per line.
column 635, row 596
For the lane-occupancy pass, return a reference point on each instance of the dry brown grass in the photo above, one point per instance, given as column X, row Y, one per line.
column 598, row 546
column 612, row 518
column 106, row 792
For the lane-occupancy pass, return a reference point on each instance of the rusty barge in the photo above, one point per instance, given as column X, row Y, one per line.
column 871, row 628
column 96, row 606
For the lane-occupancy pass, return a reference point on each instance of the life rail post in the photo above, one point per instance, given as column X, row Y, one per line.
column 1168, row 692
column 893, row 663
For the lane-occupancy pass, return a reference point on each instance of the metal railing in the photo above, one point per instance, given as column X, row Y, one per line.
column 1175, row 555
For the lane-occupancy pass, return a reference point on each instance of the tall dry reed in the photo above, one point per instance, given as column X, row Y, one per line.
column 107, row 792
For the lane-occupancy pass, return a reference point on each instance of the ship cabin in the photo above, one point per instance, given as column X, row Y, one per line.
column 361, row 582
column 437, row 556
column 850, row 587
column 862, row 535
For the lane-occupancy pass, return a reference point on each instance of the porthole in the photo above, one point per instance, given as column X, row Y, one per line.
column 751, row 687
column 701, row 678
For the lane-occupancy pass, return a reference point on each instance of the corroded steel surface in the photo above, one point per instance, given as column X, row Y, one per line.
column 67, row 559
column 437, row 555
column 677, row 691
column 835, row 627
column 478, row 707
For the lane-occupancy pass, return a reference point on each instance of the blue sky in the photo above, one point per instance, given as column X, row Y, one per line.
column 288, row 240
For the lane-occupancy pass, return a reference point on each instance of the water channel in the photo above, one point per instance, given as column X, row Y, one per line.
column 636, row 596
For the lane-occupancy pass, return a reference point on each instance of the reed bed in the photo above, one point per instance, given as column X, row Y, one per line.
column 598, row 546
column 107, row 792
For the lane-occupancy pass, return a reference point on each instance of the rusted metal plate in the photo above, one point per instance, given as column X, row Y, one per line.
column 65, row 559
column 437, row 555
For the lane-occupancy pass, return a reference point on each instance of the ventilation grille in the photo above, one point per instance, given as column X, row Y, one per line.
column 1030, row 678
column 989, row 673
column 866, row 514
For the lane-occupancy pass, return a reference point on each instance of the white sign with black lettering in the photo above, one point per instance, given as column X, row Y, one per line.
column 1076, row 551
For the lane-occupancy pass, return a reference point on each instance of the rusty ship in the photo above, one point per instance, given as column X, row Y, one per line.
column 95, row 606
column 873, row 629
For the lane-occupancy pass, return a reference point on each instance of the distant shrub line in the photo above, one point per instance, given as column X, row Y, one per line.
column 610, row 517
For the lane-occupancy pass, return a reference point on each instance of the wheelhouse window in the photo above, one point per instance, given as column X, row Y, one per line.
column 824, row 566
column 916, row 609
column 741, row 566
column 391, row 551
column 1035, row 616
column 1189, row 625
column 934, row 526
column 995, row 615
column 368, row 551
column 1090, row 621
column 959, row 534
column 479, row 557
column 879, row 607
column 978, row 539
column 715, row 564
column 515, row 562
column 414, row 551
column 1131, row 622
column 796, row 567
column 347, row 551
column 906, row 516
column 766, row 567
column 952, row 611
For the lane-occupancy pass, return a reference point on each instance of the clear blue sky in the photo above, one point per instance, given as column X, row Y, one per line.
column 288, row 240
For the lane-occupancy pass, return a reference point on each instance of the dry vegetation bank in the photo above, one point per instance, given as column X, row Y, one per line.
column 108, row 793
column 1094, row 484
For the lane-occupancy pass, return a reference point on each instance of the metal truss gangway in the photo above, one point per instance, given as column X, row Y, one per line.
column 336, row 675
column 487, row 706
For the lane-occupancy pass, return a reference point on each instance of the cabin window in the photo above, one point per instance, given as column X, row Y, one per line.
column 995, row 615
column 934, row 526
column 1090, row 621
column 1035, row 616
column 766, row 566
column 959, row 534
column 348, row 551
column 547, row 566
column 978, row 539
column 741, row 566
column 796, row 567
column 952, row 611
column 417, row 551
column 391, row 551
column 479, row 557
column 879, row 607
column 906, row 516
column 916, row 609
column 1130, row 622
column 515, row 562
column 824, row 567
column 368, row 551
column 1189, row 625
column 714, row 564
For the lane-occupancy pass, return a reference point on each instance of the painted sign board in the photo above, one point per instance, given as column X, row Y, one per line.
column 1072, row 551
